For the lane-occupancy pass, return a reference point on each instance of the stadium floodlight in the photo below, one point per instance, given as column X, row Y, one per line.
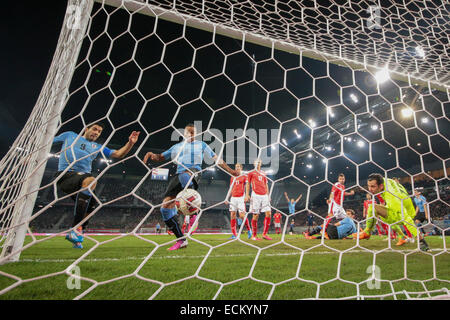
column 330, row 112
column 424, row 120
column 407, row 112
column 310, row 155
column 360, row 143
column 312, row 123
column 420, row 52
column 309, row 166
column 374, row 127
column 382, row 76
column 297, row 134
column 353, row 97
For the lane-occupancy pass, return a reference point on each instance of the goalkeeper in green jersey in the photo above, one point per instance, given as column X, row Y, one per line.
column 393, row 198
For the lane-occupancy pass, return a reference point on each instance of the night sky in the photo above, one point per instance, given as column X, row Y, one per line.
column 30, row 32
column 126, row 87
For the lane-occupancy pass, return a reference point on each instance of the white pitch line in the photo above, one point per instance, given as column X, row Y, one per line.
column 199, row 257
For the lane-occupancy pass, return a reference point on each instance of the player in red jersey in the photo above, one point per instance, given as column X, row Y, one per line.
column 336, row 200
column 237, row 201
column 259, row 202
column 277, row 221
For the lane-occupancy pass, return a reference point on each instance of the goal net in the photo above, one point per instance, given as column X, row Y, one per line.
column 313, row 89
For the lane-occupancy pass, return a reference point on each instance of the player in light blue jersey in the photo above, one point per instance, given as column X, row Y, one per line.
column 292, row 202
column 188, row 155
column 340, row 230
column 422, row 214
column 75, row 170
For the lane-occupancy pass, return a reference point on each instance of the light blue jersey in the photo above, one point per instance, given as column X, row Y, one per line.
column 420, row 202
column 292, row 207
column 188, row 154
column 346, row 228
column 80, row 149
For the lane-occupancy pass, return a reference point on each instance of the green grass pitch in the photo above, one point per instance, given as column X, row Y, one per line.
column 213, row 267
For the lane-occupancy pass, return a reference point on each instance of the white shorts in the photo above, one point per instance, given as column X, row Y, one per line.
column 337, row 211
column 277, row 225
column 259, row 203
column 237, row 204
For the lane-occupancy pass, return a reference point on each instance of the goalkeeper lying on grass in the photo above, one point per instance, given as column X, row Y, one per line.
column 389, row 209
column 339, row 230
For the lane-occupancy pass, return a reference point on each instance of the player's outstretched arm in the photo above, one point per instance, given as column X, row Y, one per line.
column 154, row 157
column 224, row 166
column 351, row 193
column 299, row 197
column 122, row 152
column 286, row 196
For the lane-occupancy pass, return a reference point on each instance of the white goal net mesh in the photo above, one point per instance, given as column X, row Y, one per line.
column 312, row 88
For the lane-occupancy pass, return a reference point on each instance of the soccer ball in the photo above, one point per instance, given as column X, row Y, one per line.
column 188, row 202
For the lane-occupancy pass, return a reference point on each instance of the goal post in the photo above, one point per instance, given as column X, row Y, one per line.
column 23, row 166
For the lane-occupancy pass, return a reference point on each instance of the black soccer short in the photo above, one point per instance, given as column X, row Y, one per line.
column 175, row 186
column 332, row 232
column 71, row 181
column 420, row 216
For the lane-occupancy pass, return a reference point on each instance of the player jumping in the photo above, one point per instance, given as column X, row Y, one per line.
column 395, row 208
column 188, row 155
column 259, row 201
column 292, row 202
column 77, row 156
column 237, row 201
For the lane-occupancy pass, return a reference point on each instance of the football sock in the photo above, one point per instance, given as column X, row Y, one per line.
column 266, row 225
column 233, row 226
column 396, row 228
column 247, row 224
column 172, row 224
column 370, row 222
column 407, row 231
column 82, row 202
column 254, row 227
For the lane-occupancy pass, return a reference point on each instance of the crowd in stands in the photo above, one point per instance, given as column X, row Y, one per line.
column 128, row 212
